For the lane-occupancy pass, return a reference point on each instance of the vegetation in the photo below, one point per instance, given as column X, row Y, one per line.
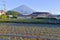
column 28, row 33
column 3, row 17
column 30, row 20
column 14, row 13
column 6, row 18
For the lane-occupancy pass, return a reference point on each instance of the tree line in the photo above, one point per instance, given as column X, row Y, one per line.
column 13, row 13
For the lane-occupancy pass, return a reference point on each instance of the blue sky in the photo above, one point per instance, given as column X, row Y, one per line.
column 52, row 6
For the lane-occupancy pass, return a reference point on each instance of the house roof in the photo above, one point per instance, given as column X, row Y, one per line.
column 38, row 13
column 52, row 16
column 34, row 14
column 41, row 13
column 21, row 15
column 58, row 15
column 1, row 10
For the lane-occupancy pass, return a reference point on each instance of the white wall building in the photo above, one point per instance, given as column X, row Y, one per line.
column 2, row 12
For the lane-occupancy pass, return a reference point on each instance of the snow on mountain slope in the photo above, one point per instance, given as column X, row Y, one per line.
column 25, row 10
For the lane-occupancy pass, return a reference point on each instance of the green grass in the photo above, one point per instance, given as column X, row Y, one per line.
column 22, row 20
column 30, row 20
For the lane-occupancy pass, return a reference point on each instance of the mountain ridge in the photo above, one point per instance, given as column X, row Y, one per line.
column 25, row 10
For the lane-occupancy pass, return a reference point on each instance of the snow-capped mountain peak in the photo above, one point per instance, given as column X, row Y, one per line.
column 23, row 9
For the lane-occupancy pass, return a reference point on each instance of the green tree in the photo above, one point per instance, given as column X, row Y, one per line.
column 3, row 16
column 14, row 13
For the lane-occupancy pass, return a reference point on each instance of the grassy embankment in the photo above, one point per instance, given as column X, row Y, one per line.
column 45, row 20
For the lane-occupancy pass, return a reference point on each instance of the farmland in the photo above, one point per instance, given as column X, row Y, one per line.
column 24, row 32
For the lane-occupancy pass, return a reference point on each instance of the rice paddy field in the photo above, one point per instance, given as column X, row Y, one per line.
column 15, row 31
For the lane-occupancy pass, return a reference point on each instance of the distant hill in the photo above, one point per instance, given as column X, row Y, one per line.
column 25, row 10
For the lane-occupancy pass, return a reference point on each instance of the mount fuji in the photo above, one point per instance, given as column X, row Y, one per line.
column 23, row 9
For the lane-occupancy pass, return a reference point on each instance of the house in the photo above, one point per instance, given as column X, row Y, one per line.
column 10, row 16
column 58, row 16
column 40, row 14
column 20, row 16
column 2, row 12
column 52, row 16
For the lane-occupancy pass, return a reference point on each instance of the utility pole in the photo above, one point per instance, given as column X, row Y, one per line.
column 4, row 5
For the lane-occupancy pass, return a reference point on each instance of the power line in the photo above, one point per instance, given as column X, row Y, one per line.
column 4, row 5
